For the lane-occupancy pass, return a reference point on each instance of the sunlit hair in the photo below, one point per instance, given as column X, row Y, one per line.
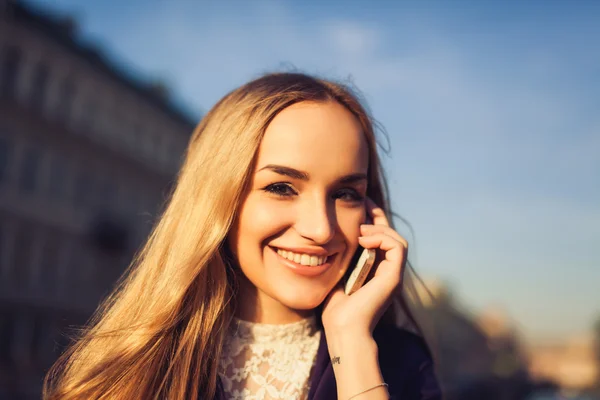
column 160, row 333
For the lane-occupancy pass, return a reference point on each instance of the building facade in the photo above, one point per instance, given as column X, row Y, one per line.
column 571, row 364
column 87, row 156
column 477, row 356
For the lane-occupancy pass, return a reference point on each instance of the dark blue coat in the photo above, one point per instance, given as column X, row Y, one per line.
column 405, row 363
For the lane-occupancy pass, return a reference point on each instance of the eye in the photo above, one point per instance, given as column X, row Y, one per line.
column 349, row 195
column 281, row 189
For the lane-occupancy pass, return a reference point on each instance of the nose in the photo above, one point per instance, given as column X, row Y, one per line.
column 316, row 221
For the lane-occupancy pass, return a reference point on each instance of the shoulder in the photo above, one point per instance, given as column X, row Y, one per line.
column 406, row 363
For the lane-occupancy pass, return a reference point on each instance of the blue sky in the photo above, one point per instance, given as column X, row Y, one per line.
column 492, row 111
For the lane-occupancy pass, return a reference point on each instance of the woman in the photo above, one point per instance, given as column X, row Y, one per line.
column 238, row 291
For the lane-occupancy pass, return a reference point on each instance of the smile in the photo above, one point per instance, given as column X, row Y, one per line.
column 302, row 259
column 309, row 265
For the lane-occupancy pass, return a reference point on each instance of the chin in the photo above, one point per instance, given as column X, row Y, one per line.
column 301, row 300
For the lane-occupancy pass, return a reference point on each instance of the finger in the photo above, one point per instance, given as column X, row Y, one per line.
column 367, row 229
column 390, row 245
column 376, row 213
column 391, row 267
column 379, row 290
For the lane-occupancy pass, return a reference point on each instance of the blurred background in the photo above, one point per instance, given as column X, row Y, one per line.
column 492, row 114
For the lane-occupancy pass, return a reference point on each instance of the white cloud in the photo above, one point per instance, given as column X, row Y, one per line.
column 352, row 39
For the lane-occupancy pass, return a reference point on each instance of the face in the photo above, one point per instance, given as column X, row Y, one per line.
column 298, row 225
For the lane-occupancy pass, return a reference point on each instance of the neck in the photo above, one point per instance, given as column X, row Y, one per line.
column 254, row 305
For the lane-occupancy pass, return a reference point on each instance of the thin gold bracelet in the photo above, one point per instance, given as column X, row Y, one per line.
column 369, row 389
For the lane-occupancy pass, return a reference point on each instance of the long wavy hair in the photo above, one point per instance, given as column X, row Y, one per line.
column 160, row 333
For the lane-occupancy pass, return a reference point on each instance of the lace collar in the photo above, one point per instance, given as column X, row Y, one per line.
column 254, row 332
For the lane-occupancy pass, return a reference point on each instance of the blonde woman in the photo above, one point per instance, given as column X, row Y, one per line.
column 238, row 292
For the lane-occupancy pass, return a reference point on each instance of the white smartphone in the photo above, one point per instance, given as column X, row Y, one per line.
column 361, row 271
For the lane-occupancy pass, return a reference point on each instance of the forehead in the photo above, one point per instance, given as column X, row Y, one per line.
column 317, row 137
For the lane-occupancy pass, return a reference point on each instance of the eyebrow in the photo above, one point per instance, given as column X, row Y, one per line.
column 304, row 176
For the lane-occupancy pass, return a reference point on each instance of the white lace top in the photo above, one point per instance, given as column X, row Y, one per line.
column 263, row 361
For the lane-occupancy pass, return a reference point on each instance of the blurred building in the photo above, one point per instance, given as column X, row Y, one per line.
column 478, row 357
column 87, row 154
column 571, row 364
column 510, row 355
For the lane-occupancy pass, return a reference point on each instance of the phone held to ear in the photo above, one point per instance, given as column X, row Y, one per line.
column 361, row 271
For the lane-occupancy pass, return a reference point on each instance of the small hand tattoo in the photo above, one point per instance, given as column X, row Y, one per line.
column 335, row 360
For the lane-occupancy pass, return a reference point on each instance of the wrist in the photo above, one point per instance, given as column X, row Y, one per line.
column 355, row 362
column 351, row 343
column 380, row 388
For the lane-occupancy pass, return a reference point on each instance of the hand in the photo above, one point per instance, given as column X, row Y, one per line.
column 360, row 312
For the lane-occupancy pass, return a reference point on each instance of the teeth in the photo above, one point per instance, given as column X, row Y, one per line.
column 304, row 259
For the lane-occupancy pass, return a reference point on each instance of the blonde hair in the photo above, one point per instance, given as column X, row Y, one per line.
column 160, row 333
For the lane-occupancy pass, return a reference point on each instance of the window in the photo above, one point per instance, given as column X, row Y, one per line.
column 29, row 171
column 71, row 282
column 10, row 72
column 65, row 258
column 89, row 113
column 58, row 178
column 128, row 128
column 138, row 138
column 65, row 98
column 161, row 147
column 22, row 339
column 21, row 262
column 128, row 201
column 7, row 333
column 5, row 156
column 6, row 249
column 109, row 192
column 149, row 145
column 100, row 191
column 49, row 263
column 40, row 82
column 82, row 190
column 45, row 336
column 37, row 337
column 37, row 258
column 2, row 239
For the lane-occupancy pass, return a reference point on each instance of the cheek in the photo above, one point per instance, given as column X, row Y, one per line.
column 257, row 222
